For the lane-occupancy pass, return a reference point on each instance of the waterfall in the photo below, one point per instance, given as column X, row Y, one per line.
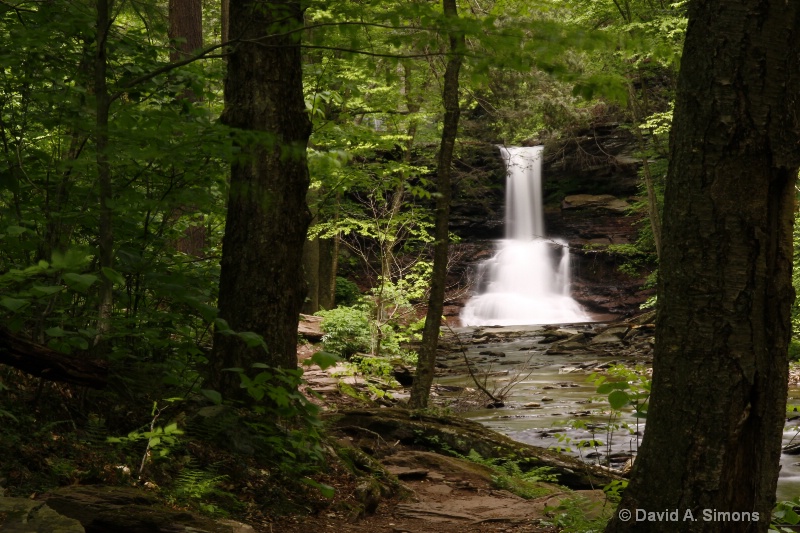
column 527, row 281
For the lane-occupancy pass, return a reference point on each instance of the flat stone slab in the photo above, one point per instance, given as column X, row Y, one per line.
column 20, row 515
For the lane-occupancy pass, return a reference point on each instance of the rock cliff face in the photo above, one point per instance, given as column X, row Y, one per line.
column 590, row 182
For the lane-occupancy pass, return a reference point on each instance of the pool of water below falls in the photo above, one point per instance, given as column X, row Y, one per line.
column 549, row 393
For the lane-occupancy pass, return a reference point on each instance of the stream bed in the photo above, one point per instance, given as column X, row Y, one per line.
column 549, row 402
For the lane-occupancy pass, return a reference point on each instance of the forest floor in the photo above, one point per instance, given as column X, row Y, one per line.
column 443, row 494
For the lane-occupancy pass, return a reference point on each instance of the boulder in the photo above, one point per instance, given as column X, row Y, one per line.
column 599, row 202
column 309, row 327
column 614, row 334
column 104, row 509
column 20, row 515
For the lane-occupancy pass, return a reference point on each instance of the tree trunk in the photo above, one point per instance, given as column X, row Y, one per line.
column 327, row 272
column 185, row 27
column 420, row 390
column 713, row 438
column 225, row 8
column 105, row 229
column 50, row 365
column 261, row 284
column 186, row 35
column 311, row 269
column 653, row 213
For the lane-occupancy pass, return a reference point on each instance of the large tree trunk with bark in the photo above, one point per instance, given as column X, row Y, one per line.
column 261, row 284
column 421, row 389
column 713, row 437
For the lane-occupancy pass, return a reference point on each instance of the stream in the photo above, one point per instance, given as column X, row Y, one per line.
column 548, row 401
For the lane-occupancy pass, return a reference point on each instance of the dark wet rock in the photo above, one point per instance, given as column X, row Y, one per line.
column 368, row 493
column 577, row 341
column 612, row 334
column 597, row 202
column 554, row 335
column 21, row 515
column 492, row 353
column 648, row 317
column 791, row 449
column 102, row 509
column 403, row 375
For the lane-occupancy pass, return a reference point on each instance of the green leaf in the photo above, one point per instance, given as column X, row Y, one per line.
column 113, row 276
column 214, row 396
column 79, row 342
column 79, row 282
column 154, row 441
column 607, row 387
column 55, row 332
column 14, row 304
column 46, row 290
column 222, row 326
column 172, row 429
column 326, row 490
column 15, row 231
column 618, row 399
column 251, row 339
column 323, row 359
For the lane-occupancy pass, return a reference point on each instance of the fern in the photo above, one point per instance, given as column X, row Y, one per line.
column 201, row 488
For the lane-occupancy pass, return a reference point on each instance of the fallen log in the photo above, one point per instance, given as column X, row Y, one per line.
column 448, row 434
column 46, row 363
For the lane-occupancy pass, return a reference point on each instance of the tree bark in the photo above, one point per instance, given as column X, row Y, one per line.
column 327, row 272
column 48, row 364
column 713, row 437
column 185, row 27
column 653, row 213
column 311, row 269
column 261, row 283
column 421, row 388
column 186, row 36
column 105, row 228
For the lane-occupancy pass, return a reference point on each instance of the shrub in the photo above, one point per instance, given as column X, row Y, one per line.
column 347, row 292
column 346, row 330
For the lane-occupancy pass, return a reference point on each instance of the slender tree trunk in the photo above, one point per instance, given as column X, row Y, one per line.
column 261, row 283
column 185, row 27
column 327, row 272
column 186, row 35
column 713, row 437
column 225, row 8
column 653, row 213
column 105, row 229
column 421, row 389
column 311, row 269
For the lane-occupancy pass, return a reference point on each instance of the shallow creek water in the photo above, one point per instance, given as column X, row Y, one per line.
column 551, row 392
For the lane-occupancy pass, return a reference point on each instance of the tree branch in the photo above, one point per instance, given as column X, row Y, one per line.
column 205, row 54
column 49, row 364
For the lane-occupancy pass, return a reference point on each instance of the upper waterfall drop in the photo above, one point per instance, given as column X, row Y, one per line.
column 527, row 281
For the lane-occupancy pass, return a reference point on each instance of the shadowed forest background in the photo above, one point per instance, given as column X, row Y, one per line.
column 179, row 181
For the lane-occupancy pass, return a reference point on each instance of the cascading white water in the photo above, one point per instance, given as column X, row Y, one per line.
column 528, row 279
